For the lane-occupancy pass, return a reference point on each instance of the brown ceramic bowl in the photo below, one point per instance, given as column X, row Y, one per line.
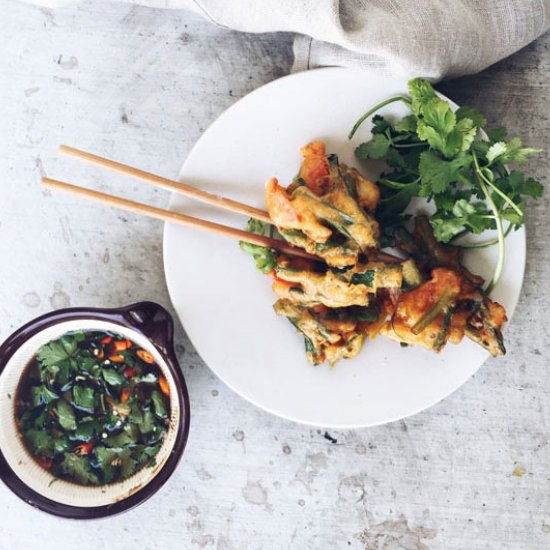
column 148, row 325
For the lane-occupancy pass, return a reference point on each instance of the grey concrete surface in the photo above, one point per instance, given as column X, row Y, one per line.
column 141, row 85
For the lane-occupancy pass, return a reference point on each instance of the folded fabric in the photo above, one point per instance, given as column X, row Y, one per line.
column 430, row 38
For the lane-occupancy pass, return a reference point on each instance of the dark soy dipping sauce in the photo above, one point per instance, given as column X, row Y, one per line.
column 92, row 407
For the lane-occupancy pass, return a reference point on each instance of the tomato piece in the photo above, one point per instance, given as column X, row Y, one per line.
column 124, row 395
column 164, row 387
column 83, row 448
column 282, row 288
column 315, row 168
column 122, row 345
column 106, row 340
column 279, row 205
column 129, row 372
column 46, row 463
column 145, row 356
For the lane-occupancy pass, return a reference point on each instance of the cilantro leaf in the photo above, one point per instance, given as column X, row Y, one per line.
column 52, row 353
column 78, row 468
column 445, row 201
column 104, row 460
column 437, row 173
column 406, row 124
column 39, row 442
column 467, row 130
column 473, row 114
column 458, row 139
column 121, row 439
column 474, row 217
column 446, row 227
column 531, row 188
column 158, row 404
column 421, row 91
column 84, row 398
column 379, row 125
column 65, row 415
column 149, row 378
column 497, row 134
column 509, row 152
column 85, row 431
column 128, row 466
column 496, row 151
column 432, row 136
column 42, row 395
column 511, row 215
column 376, row 148
column 148, row 423
column 89, row 365
column 112, row 377
column 144, row 454
column 61, row 444
column 112, row 459
column 439, row 115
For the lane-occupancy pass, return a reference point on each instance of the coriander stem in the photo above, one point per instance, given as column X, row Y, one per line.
column 502, row 195
column 486, row 244
column 406, row 145
column 397, row 184
column 498, row 221
column 376, row 108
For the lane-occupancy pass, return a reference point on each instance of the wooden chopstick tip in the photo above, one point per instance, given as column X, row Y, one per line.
column 64, row 149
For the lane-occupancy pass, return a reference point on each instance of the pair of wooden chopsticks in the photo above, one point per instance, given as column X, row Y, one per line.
column 168, row 215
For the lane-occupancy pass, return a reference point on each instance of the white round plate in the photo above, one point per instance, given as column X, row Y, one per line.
column 225, row 305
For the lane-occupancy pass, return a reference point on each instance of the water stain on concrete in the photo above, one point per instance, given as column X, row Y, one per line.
column 197, row 531
column 203, row 474
column 310, row 469
column 31, row 299
column 254, row 493
column 68, row 63
column 395, row 534
column 351, row 489
column 360, row 449
column 238, row 435
column 67, row 81
column 40, row 167
column 193, row 511
column 59, row 299
column 66, row 230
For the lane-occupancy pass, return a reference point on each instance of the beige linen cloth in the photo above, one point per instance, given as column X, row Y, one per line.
column 430, row 38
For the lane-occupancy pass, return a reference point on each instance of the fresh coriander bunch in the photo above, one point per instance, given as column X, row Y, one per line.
column 439, row 154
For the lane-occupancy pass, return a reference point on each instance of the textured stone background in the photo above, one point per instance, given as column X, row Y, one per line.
column 141, row 85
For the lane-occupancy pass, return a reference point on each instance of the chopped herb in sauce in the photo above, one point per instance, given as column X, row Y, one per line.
column 92, row 407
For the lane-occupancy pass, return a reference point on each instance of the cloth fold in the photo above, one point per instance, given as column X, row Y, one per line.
column 430, row 38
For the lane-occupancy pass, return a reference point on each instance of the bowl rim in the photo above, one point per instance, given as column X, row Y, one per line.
column 155, row 323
